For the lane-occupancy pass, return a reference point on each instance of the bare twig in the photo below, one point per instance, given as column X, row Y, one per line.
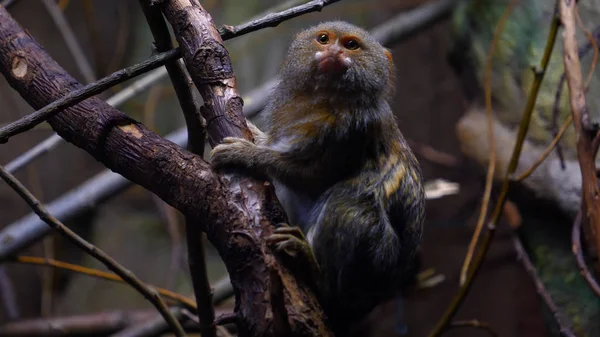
column 196, row 135
column 149, row 293
column 490, row 125
column 67, row 33
column 577, row 251
column 19, row 69
column 512, row 166
column 579, row 111
column 473, row 323
column 273, row 19
column 188, row 303
column 540, row 288
column 547, row 151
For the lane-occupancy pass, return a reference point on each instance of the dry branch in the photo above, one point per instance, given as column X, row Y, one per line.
column 579, row 110
column 578, row 252
column 234, row 215
column 462, row 292
column 540, row 288
column 41, row 261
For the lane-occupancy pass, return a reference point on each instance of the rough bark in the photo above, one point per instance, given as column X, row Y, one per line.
column 236, row 213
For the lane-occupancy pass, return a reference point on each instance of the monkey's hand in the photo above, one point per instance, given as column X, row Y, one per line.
column 291, row 242
column 234, row 152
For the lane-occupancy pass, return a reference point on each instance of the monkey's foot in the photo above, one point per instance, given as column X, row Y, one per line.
column 292, row 242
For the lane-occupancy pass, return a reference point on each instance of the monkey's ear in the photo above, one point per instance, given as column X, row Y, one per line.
column 388, row 54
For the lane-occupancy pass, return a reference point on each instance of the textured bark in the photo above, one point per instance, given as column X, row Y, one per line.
column 235, row 212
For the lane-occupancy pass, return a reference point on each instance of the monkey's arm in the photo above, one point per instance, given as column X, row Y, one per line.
column 261, row 160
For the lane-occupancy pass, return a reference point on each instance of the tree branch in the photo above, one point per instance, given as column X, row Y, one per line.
column 196, row 131
column 273, row 19
column 235, row 216
column 579, row 110
column 19, row 69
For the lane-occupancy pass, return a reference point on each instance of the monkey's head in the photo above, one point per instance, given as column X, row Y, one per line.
column 338, row 58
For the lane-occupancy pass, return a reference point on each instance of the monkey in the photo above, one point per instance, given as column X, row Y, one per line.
column 342, row 170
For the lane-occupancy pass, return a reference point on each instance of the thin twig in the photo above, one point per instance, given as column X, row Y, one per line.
column 581, row 119
column 67, row 33
column 547, row 151
column 473, row 323
column 512, row 166
column 196, row 135
column 273, row 19
column 78, row 95
column 149, row 293
column 577, row 251
column 492, row 160
column 40, row 261
column 540, row 288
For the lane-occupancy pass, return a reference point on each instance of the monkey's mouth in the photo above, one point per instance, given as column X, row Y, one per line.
column 333, row 64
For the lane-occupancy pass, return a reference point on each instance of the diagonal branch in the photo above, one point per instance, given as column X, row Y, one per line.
column 19, row 69
column 149, row 293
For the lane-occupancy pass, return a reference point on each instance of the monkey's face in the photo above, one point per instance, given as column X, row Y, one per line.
column 338, row 58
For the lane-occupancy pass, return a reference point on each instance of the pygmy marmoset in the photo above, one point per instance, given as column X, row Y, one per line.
column 341, row 168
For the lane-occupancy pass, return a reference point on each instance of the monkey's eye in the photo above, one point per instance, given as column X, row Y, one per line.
column 351, row 44
column 323, row 38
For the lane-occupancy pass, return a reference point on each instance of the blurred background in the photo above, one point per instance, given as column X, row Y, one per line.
column 437, row 83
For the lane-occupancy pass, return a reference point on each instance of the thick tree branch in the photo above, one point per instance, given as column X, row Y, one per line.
column 209, row 65
column 196, row 135
column 19, row 69
column 232, row 213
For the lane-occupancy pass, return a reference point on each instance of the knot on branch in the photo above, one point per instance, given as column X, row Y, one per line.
column 211, row 61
